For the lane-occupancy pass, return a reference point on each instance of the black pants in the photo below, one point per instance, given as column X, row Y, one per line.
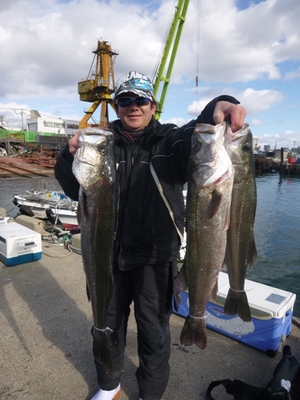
column 150, row 287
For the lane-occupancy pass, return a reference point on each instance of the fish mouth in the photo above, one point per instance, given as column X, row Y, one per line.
column 83, row 161
column 209, row 163
column 86, row 162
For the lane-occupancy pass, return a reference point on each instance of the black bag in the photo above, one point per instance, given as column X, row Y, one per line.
column 284, row 385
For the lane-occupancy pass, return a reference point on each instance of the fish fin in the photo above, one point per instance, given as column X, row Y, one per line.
column 214, row 204
column 78, row 213
column 214, row 292
column 237, row 303
column 88, row 292
column 194, row 332
column 227, row 219
column 176, row 286
column 224, row 266
column 101, row 349
column 253, row 255
column 182, row 279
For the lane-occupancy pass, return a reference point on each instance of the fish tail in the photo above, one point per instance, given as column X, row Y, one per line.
column 101, row 348
column 237, row 303
column 194, row 332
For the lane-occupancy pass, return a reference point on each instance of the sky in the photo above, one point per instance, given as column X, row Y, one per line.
column 247, row 49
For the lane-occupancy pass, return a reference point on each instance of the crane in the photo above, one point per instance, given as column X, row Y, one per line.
column 98, row 90
column 169, row 54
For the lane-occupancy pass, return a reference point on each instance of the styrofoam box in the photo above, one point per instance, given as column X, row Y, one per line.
column 18, row 244
column 271, row 315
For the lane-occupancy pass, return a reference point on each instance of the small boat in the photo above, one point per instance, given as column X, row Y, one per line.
column 58, row 207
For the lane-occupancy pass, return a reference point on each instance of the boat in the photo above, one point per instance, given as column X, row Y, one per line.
column 53, row 205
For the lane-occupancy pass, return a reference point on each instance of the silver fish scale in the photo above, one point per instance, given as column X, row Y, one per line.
column 241, row 249
column 94, row 168
column 207, row 214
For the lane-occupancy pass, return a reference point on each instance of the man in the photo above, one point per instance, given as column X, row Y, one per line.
column 151, row 161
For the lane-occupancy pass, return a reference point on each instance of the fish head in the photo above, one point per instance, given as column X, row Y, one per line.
column 240, row 151
column 93, row 160
column 209, row 161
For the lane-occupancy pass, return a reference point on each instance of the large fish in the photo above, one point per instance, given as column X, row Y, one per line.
column 241, row 249
column 210, row 180
column 94, row 168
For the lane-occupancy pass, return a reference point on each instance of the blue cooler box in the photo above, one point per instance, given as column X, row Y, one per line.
column 271, row 312
column 18, row 244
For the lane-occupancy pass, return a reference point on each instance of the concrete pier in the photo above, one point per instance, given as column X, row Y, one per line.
column 46, row 346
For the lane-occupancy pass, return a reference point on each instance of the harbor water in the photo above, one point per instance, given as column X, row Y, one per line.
column 277, row 226
column 277, row 234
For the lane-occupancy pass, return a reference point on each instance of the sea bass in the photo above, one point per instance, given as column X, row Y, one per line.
column 94, row 168
column 241, row 249
column 210, row 180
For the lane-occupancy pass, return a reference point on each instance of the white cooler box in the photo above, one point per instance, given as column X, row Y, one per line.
column 18, row 244
column 271, row 315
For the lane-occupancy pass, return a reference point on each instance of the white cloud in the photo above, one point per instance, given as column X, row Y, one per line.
column 176, row 121
column 256, row 101
column 55, row 40
column 256, row 122
column 46, row 48
column 291, row 75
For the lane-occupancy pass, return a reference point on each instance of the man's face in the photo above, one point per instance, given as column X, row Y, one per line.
column 134, row 117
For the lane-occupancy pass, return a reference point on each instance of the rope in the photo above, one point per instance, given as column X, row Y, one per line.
column 197, row 51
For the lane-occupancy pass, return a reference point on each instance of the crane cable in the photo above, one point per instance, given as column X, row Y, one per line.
column 156, row 67
column 89, row 76
column 197, row 51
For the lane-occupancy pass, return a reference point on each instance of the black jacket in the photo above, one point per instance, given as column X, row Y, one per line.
column 151, row 172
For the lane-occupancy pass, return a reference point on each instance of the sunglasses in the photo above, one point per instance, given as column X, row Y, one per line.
column 127, row 101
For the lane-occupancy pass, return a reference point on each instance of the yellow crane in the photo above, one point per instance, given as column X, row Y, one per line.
column 99, row 86
column 98, row 89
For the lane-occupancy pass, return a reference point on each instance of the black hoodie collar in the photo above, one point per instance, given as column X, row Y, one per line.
column 154, row 130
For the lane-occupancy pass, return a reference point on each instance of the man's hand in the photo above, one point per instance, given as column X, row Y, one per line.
column 73, row 143
column 232, row 113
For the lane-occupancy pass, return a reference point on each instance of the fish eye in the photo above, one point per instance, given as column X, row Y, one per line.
column 246, row 147
column 102, row 149
column 197, row 146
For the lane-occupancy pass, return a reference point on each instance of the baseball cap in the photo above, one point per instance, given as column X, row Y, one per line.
column 134, row 82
